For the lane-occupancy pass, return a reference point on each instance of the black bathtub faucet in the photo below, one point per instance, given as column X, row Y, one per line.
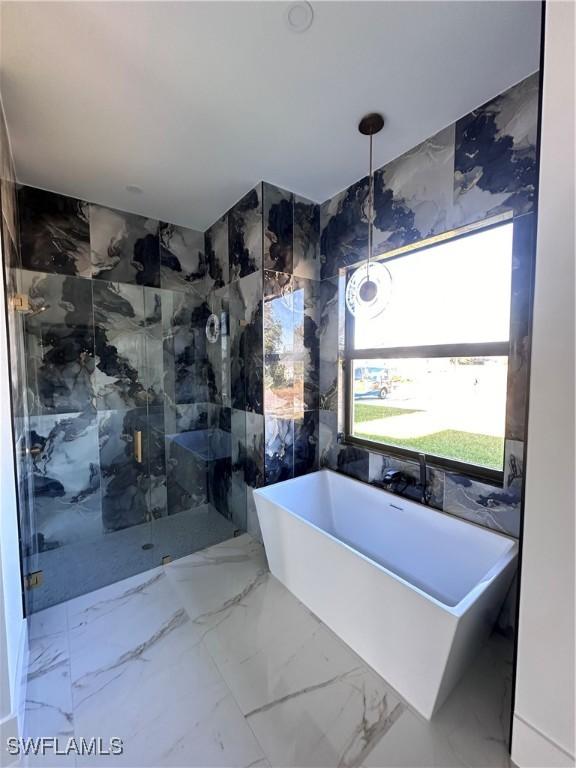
column 406, row 485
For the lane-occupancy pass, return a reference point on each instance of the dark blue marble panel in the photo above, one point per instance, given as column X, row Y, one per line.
column 120, row 331
column 245, row 319
column 188, row 375
column 54, row 233
column 329, row 308
column 133, row 490
column 306, row 442
column 245, row 235
column 186, row 478
column 182, row 261
column 154, row 450
column 278, row 209
column 59, row 342
column 216, row 253
column 125, row 247
column 306, row 256
column 344, row 229
column 487, row 505
column 254, row 450
column 279, row 449
column 66, row 478
column 495, row 167
column 353, row 461
column 413, row 194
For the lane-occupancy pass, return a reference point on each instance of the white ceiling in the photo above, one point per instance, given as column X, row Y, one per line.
column 195, row 102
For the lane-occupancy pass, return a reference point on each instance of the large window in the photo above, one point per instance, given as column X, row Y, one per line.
column 429, row 374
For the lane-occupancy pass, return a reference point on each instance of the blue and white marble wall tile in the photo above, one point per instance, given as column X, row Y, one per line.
column 328, row 332
column 154, row 450
column 182, row 260
column 186, row 478
column 379, row 464
column 245, row 235
column 327, row 439
column 307, row 339
column 495, row 162
column 306, row 257
column 245, row 319
column 59, row 342
column 186, row 374
column 216, row 253
column 153, row 354
column 125, row 481
column 306, row 443
column 219, row 479
column 278, row 211
column 238, row 454
column 54, row 232
column 344, row 233
column 514, row 464
column 413, row 193
column 218, row 352
column 488, row 505
column 353, row 461
column 254, row 450
column 120, row 331
column 124, row 247
column 279, row 449
column 523, row 251
column 66, row 478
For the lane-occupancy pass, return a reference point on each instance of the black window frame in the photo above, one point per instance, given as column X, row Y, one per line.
column 472, row 349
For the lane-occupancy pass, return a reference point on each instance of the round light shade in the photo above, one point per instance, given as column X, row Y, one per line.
column 213, row 328
column 369, row 290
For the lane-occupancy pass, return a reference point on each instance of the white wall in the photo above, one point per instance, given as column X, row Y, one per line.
column 543, row 731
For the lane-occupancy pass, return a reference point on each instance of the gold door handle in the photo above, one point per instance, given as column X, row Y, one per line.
column 138, row 446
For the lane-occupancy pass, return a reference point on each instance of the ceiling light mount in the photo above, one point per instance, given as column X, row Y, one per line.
column 299, row 16
column 371, row 124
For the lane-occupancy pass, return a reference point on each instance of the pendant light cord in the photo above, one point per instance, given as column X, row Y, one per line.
column 370, row 213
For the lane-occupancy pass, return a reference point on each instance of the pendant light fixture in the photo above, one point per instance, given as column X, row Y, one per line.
column 369, row 289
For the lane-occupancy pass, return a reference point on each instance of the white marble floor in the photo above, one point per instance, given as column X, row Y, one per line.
column 209, row 661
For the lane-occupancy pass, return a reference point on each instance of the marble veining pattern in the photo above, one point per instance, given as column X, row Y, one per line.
column 124, row 247
column 278, row 211
column 277, row 687
column 182, row 260
column 55, row 233
column 59, row 343
column 245, row 235
column 65, row 471
column 495, row 167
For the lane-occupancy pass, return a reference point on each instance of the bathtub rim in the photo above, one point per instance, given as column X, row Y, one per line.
column 469, row 598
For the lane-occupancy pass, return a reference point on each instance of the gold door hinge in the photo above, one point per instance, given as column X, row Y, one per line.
column 20, row 302
column 34, row 579
column 166, row 559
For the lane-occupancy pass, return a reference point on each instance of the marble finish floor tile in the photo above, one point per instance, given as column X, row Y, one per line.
column 209, row 661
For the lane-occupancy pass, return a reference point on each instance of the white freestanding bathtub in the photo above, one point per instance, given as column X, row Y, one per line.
column 413, row 591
